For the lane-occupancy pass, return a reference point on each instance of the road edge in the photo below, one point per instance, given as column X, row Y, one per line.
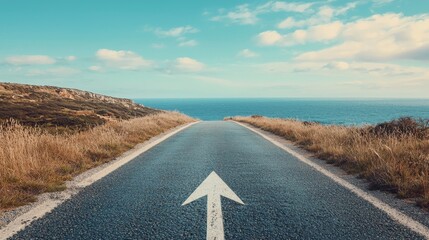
column 49, row 201
column 392, row 212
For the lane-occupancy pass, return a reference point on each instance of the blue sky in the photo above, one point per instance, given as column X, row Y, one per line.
column 158, row 49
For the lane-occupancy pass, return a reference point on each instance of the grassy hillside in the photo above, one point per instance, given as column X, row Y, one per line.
column 53, row 107
column 40, row 147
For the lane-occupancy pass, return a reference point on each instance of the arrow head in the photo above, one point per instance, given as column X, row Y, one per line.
column 213, row 185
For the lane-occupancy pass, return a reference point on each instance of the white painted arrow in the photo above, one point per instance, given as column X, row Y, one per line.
column 214, row 187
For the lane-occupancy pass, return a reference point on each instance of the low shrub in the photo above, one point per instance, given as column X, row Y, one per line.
column 402, row 126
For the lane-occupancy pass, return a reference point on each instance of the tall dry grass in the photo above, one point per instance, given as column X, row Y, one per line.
column 33, row 161
column 396, row 161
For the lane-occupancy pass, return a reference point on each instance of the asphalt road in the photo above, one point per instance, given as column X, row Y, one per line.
column 284, row 198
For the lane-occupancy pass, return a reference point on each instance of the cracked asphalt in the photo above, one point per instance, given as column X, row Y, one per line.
column 284, row 198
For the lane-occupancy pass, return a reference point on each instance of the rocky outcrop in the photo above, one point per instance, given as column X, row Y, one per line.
column 63, row 107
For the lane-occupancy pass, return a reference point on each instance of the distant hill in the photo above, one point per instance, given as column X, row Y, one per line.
column 56, row 107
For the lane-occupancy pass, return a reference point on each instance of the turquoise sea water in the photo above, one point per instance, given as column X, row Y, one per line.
column 348, row 112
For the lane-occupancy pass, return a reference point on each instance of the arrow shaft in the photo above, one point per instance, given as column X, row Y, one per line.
column 214, row 187
column 214, row 218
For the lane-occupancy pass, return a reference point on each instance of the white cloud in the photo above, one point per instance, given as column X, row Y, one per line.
column 186, row 64
column 241, row 15
column 30, row 60
column 386, row 69
column 326, row 12
column 342, row 51
column 290, row 6
column 179, row 33
column 244, row 14
column 246, row 53
column 300, row 36
column 269, row 38
column 290, row 22
column 71, row 58
column 324, row 15
column 126, row 60
column 188, row 43
column 373, row 69
column 379, row 37
column 95, row 68
column 378, row 3
column 345, row 9
column 323, row 32
column 376, row 38
column 176, row 32
column 288, row 67
column 338, row 65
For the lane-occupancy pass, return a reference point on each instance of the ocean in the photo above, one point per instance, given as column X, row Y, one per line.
column 332, row 111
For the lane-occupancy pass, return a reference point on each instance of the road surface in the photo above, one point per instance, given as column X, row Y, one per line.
column 283, row 197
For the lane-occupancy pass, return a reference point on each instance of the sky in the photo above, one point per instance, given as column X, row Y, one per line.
column 217, row 49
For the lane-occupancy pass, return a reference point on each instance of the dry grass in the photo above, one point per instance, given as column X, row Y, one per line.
column 393, row 156
column 33, row 161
